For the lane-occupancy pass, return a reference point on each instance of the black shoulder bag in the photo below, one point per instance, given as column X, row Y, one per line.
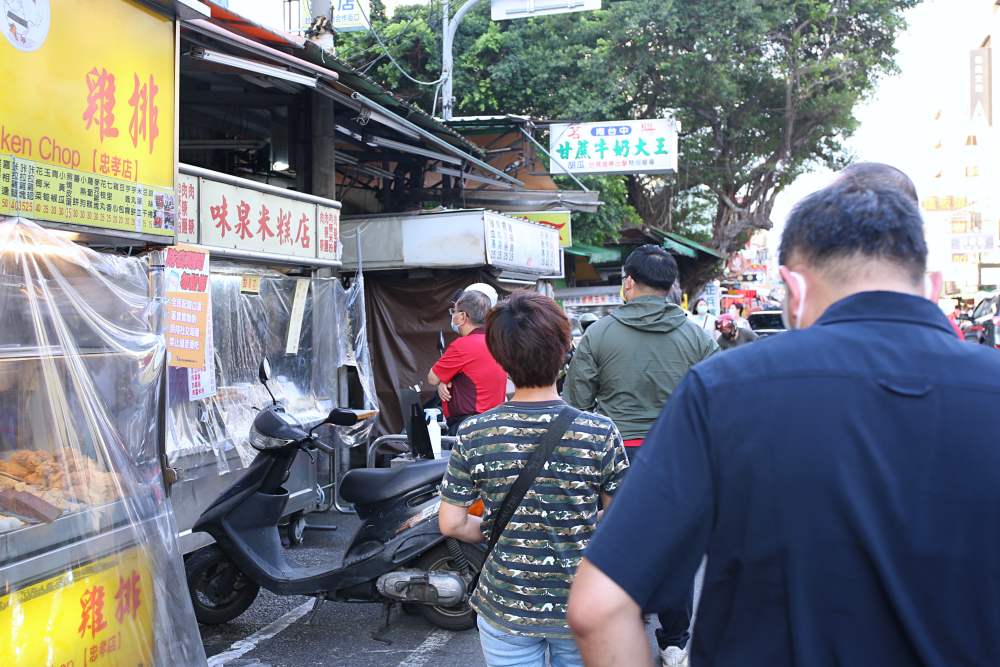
column 546, row 444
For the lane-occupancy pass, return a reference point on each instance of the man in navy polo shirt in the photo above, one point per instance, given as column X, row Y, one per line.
column 853, row 528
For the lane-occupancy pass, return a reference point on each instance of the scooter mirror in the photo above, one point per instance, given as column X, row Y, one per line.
column 341, row 417
column 264, row 372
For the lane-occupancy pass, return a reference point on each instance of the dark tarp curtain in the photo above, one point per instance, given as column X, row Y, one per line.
column 405, row 317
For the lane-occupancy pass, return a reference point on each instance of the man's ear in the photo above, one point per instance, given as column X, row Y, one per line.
column 933, row 283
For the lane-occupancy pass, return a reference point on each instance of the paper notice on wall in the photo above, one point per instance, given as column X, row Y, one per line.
column 298, row 313
column 186, row 324
column 201, row 381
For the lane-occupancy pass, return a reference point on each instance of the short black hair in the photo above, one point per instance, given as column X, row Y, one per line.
column 652, row 266
column 849, row 219
column 529, row 335
column 878, row 174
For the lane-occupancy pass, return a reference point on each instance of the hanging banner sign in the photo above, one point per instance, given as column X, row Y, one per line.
column 189, row 331
column 329, row 233
column 521, row 245
column 245, row 219
column 350, row 15
column 99, row 613
column 91, row 139
column 617, row 147
column 556, row 219
column 187, row 209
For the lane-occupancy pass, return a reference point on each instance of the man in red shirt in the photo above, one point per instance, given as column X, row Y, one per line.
column 468, row 378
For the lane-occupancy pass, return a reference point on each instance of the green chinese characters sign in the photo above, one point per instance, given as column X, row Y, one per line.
column 618, row 147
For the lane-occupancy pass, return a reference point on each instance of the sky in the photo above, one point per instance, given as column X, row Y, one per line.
column 897, row 124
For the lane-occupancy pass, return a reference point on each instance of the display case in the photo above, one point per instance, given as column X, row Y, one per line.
column 89, row 566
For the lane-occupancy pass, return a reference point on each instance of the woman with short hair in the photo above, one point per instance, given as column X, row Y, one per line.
column 522, row 592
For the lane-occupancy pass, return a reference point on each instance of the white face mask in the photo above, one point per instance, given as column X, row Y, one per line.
column 702, row 309
column 785, row 316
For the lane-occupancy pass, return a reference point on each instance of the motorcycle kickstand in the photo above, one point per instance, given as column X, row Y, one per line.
column 320, row 599
column 378, row 635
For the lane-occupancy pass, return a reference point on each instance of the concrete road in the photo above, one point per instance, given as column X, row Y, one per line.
column 281, row 632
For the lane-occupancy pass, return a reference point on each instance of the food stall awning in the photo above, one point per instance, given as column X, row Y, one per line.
column 595, row 254
column 694, row 245
column 679, row 248
column 452, row 239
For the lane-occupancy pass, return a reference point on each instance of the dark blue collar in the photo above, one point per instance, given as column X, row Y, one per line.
column 887, row 307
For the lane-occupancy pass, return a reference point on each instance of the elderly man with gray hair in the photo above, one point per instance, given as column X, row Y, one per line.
column 468, row 378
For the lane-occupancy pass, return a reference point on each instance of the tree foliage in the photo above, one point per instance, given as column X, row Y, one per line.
column 764, row 89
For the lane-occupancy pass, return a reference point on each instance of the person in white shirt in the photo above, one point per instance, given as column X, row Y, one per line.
column 702, row 317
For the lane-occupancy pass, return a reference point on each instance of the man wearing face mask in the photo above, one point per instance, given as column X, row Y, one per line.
column 626, row 367
column 855, row 530
column 468, row 378
column 731, row 335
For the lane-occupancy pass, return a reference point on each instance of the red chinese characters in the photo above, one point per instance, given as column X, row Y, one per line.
column 220, row 215
column 263, row 230
column 284, row 226
column 92, row 611
column 243, row 215
column 128, row 596
column 100, row 108
column 145, row 115
column 302, row 234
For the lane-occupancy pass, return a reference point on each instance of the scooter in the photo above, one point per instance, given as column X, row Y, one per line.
column 398, row 554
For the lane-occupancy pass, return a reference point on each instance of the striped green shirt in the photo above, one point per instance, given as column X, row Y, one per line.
column 525, row 583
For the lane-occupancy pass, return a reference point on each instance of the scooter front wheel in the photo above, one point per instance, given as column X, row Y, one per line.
column 219, row 591
column 462, row 616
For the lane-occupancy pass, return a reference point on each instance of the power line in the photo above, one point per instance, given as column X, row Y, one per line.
column 393, row 60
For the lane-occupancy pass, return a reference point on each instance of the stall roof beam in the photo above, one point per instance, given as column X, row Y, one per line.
column 440, row 143
column 408, row 148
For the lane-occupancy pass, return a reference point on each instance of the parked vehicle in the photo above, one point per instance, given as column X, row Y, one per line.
column 397, row 555
column 766, row 322
column 982, row 326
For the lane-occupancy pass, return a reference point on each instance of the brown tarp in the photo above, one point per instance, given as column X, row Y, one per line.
column 405, row 317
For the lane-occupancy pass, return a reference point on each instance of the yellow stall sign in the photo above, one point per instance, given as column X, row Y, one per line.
column 557, row 219
column 89, row 136
column 99, row 614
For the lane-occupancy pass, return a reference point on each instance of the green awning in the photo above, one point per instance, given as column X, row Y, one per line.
column 694, row 245
column 679, row 248
column 595, row 254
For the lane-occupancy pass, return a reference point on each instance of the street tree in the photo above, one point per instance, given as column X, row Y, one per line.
column 764, row 89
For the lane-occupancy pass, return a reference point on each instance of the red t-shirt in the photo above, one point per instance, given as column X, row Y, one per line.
column 478, row 382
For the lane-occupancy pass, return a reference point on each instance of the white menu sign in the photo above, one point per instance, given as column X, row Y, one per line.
column 521, row 245
column 244, row 219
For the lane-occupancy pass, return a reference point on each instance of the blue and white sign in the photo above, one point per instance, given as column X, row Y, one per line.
column 615, row 147
column 350, row 15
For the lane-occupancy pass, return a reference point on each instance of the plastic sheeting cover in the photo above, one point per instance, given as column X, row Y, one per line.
column 89, row 566
column 248, row 327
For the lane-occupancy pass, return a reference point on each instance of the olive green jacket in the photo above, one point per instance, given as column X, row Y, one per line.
column 629, row 363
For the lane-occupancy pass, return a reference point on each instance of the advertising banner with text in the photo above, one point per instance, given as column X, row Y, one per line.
column 87, row 120
column 615, row 147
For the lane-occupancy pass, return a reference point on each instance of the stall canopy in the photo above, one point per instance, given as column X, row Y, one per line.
column 595, row 254
column 260, row 88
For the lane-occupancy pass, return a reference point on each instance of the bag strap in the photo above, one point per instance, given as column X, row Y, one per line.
column 546, row 445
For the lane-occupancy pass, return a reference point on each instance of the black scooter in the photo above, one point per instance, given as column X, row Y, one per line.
column 398, row 555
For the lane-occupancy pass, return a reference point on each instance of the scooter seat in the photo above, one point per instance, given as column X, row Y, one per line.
column 366, row 486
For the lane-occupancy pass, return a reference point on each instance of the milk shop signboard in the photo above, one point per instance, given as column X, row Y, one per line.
column 617, row 147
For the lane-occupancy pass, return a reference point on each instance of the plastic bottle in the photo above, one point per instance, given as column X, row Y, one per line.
column 434, row 430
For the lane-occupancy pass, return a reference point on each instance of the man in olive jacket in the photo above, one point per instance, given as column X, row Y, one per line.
column 626, row 367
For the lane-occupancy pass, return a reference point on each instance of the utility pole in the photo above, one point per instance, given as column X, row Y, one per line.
column 449, row 28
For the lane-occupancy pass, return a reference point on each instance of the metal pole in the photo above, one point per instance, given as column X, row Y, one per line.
column 449, row 28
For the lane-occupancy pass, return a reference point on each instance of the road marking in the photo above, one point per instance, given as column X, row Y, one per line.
column 422, row 654
column 243, row 646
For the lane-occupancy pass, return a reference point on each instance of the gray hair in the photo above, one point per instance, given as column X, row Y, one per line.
column 475, row 305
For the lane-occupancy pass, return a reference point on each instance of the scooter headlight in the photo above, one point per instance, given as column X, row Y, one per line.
column 259, row 441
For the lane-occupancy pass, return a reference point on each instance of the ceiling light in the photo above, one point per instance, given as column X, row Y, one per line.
column 252, row 66
column 279, row 165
